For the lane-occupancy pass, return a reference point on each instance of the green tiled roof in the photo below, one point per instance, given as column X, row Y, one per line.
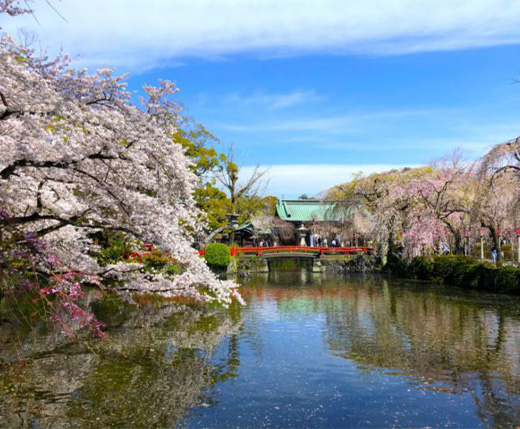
column 306, row 210
column 244, row 226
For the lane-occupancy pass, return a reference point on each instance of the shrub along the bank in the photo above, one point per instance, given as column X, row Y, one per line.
column 217, row 256
column 457, row 270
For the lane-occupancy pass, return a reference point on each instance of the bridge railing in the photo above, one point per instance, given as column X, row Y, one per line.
column 301, row 249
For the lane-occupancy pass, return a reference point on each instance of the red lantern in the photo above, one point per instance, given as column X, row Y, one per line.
column 481, row 232
column 500, row 231
column 518, row 231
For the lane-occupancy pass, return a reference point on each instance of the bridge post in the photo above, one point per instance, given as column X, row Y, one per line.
column 263, row 266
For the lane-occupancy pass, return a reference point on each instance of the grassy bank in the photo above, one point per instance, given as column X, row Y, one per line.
column 458, row 271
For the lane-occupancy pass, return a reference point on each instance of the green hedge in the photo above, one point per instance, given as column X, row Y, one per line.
column 396, row 266
column 217, row 256
column 457, row 270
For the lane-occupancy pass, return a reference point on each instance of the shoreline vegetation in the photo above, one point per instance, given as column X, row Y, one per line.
column 457, row 270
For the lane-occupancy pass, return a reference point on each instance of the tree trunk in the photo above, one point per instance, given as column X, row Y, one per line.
column 384, row 252
column 458, row 246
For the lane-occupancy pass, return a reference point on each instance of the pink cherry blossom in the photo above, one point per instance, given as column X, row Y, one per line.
column 77, row 158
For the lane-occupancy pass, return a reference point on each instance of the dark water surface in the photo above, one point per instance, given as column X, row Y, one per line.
column 307, row 351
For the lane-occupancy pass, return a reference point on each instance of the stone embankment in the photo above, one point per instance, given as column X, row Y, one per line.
column 244, row 266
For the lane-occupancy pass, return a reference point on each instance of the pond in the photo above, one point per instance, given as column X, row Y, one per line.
column 307, row 351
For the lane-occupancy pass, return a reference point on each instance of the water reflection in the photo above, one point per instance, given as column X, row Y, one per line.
column 307, row 351
column 453, row 345
column 440, row 340
column 148, row 373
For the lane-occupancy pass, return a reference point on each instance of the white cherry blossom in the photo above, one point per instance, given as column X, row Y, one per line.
column 77, row 157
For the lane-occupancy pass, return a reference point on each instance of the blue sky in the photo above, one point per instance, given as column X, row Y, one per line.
column 314, row 90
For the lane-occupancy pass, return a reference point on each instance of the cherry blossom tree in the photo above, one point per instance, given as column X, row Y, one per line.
column 444, row 198
column 14, row 7
column 502, row 157
column 498, row 205
column 442, row 202
column 79, row 158
column 381, row 206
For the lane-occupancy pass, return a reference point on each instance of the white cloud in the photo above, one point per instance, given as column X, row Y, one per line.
column 338, row 124
column 273, row 101
column 293, row 180
column 140, row 35
column 426, row 133
column 331, row 124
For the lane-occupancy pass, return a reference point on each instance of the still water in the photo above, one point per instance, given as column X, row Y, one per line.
column 307, row 351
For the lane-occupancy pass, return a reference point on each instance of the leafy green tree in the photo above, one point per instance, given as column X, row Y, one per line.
column 220, row 192
column 200, row 144
column 215, row 204
column 200, row 147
